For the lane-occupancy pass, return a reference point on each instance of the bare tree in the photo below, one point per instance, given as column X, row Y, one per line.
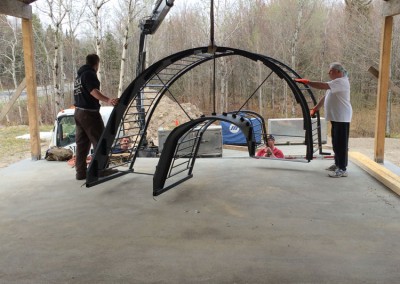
column 224, row 12
column 57, row 11
column 360, row 6
column 74, row 20
column 131, row 10
column 11, row 44
column 44, row 69
column 95, row 8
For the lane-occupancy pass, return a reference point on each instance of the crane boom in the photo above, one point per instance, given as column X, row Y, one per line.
column 160, row 11
column 149, row 26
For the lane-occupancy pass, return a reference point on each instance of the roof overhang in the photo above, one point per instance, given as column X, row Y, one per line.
column 391, row 8
column 17, row 8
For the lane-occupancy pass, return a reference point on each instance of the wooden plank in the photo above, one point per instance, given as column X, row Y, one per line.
column 390, row 8
column 16, row 8
column 378, row 171
column 236, row 147
column 392, row 86
column 13, row 99
column 383, row 88
column 30, row 75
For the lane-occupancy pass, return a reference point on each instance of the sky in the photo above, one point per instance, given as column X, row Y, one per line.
column 178, row 4
column 41, row 5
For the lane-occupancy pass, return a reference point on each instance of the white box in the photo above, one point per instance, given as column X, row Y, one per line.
column 210, row 145
column 290, row 130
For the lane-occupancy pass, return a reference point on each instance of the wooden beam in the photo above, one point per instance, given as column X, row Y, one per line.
column 13, row 99
column 378, row 171
column 390, row 8
column 395, row 89
column 16, row 8
column 383, row 88
column 30, row 75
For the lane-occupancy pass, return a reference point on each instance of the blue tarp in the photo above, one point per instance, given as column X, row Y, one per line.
column 232, row 135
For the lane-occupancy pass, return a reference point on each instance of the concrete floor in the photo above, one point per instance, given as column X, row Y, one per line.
column 239, row 220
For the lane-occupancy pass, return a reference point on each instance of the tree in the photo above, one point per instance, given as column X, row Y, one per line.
column 12, row 54
column 75, row 18
column 95, row 9
column 130, row 10
column 12, row 51
column 57, row 11
column 110, row 58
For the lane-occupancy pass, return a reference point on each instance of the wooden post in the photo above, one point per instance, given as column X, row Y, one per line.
column 30, row 75
column 383, row 88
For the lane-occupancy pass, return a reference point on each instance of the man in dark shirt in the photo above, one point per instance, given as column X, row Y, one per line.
column 89, row 124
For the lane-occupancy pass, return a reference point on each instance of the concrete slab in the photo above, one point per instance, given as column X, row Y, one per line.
column 239, row 220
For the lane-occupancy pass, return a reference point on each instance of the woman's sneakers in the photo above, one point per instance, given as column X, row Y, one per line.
column 338, row 173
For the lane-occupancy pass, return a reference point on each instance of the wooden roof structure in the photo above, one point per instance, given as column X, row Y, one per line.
column 22, row 9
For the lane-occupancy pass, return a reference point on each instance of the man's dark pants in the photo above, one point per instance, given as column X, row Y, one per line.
column 340, row 142
column 89, row 127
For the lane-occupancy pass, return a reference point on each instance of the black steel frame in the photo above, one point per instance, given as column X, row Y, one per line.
column 159, row 77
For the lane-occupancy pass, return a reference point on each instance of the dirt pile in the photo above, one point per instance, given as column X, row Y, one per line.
column 167, row 115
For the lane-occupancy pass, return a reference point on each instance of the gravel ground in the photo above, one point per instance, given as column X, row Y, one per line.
column 21, row 155
column 366, row 147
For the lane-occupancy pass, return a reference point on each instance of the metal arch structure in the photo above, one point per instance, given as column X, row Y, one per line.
column 155, row 81
column 182, row 144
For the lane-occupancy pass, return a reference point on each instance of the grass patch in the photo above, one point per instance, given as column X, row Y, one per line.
column 13, row 149
column 364, row 120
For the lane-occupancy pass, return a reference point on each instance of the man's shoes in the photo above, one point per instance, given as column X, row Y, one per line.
column 338, row 173
column 332, row 168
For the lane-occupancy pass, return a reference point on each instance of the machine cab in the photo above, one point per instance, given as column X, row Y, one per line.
column 63, row 134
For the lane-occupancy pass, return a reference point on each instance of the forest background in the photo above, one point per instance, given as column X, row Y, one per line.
column 304, row 34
